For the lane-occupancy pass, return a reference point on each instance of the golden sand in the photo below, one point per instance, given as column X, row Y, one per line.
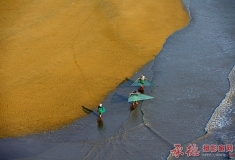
column 57, row 55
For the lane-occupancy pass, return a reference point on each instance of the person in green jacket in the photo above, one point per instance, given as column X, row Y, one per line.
column 142, row 79
column 134, row 103
column 100, row 110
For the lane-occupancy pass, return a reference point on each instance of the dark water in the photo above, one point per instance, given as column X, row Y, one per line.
column 194, row 101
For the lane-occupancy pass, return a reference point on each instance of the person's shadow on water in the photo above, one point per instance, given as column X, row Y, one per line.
column 89, row 111
column 118, row 98
column 126, row 83
column 99, row 120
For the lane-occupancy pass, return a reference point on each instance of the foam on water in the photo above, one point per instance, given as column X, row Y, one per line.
column 222, row 116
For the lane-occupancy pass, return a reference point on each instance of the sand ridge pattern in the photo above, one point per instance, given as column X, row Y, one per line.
column 75, row 59
column 57, row 56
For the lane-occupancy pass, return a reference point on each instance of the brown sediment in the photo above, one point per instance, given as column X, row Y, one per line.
column 57, row 56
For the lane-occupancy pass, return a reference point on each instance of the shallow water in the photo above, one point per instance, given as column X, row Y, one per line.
column 194, row 100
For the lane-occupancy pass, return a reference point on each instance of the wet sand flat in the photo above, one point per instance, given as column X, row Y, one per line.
column 59, row 55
